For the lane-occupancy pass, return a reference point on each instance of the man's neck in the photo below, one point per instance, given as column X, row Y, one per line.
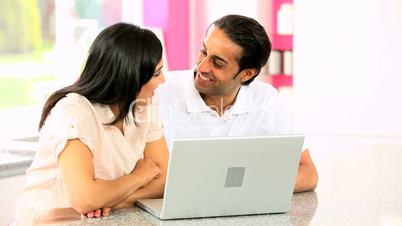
column 220, row 103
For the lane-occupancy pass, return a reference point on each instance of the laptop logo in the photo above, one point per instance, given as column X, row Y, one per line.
column 234, row 177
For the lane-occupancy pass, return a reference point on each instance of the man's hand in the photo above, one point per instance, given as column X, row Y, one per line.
column 307, row 176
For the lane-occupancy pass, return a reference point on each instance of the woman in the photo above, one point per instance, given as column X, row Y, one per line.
column 101, row 142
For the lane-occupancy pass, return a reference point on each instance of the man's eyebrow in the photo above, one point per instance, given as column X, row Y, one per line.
column 215, row 56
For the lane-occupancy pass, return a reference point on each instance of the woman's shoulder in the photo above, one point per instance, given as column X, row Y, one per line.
column 73, row 104
column 75, row 98
column 73, row 110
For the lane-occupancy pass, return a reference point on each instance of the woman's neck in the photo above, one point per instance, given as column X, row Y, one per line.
column 115, row 110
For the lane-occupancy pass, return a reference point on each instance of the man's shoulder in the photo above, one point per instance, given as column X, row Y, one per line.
column 173, row 88
column 175, row 77
column 175, row 80
column 259, row 85
column 261, row 91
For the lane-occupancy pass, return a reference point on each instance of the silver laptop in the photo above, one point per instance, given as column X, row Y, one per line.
column 228, row 176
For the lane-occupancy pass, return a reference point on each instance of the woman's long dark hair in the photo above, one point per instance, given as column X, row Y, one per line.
column 121, row 60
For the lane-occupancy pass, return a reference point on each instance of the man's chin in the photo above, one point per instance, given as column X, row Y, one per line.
column 199, row 88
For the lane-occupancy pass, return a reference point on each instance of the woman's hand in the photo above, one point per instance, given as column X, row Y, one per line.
column 147, row 170
column 97, row 213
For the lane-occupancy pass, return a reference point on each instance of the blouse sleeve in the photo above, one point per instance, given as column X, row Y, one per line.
column 71, row 118
column 155, row 130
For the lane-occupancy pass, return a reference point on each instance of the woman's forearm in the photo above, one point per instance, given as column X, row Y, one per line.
column 158, row 153
column 85, row 192
column 101, row 193
column 154, row 189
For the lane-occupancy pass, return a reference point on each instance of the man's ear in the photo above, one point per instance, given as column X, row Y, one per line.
column 248, row 74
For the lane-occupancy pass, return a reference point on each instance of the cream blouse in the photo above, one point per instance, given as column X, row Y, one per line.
column 43, row 200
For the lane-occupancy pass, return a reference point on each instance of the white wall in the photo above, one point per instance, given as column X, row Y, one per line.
column 348, row 67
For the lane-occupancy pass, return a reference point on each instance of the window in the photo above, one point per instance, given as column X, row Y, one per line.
column 43, row 44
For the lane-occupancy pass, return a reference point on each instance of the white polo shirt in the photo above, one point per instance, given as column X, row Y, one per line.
column 258, row 110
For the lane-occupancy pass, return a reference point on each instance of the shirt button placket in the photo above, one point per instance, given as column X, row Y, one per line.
column 219, row 128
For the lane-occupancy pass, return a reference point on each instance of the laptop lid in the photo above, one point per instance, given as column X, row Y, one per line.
column 231, row 176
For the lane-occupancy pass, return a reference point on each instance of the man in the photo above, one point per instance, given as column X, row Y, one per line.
column 219, row 98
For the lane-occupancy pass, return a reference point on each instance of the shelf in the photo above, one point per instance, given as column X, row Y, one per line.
column 278, row 81
column 281, row 42
column 280, row 32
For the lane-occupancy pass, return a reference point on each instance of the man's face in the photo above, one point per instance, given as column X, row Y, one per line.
column 217, row 70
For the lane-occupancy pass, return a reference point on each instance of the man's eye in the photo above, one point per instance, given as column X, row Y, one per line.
column 217, row 65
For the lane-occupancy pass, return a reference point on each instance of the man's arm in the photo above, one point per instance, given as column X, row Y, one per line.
column 307, row 176
column 156, row 151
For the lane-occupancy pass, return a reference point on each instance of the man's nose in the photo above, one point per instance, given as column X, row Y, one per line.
column 204, row 65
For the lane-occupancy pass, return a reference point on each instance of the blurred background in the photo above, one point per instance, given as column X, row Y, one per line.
column 338, row 63
column 43, row 44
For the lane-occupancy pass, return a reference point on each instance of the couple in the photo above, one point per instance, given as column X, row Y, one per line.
column 99, row 150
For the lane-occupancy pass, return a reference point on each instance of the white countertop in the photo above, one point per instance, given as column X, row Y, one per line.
column 360, row 183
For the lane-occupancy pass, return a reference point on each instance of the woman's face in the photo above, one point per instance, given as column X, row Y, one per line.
column 147, row 90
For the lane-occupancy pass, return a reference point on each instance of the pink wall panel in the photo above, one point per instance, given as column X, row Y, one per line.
column 173, row 17
column 282, row 42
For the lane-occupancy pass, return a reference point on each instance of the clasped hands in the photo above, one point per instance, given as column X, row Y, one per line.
column 145, row 169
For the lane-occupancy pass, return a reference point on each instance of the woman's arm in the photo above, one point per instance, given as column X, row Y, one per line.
column 85, row 192
column 307, row 177
column 157, row 152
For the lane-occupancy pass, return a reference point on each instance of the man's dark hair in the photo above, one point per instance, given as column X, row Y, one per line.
column 121, row 60
column 251, row 37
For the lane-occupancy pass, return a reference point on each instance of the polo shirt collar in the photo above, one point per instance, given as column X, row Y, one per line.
column 243, row 102
column 195, row 103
